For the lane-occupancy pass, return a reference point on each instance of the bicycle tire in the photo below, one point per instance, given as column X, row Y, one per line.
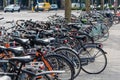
column 104, row 33
column 104, row 38
column 89, row 39
column 87, row 56
column 72, row 55
column 56, row 61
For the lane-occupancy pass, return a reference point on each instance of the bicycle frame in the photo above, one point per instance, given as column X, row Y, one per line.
column 38, row 55
column 19, row 69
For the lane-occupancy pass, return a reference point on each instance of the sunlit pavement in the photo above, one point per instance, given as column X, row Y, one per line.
column 111, row 46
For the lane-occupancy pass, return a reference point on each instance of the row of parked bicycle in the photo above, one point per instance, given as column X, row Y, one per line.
column 54, row 50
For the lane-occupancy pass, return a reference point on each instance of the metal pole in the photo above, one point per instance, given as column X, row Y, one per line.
column 80, row 4
column 92, row 3
column 92, row 6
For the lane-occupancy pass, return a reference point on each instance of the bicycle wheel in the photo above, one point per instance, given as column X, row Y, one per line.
column 104, row 38
column 93, row 59
column 59, row 62
column 72, row 55
column 104, row 33
column 88, row 38
column 45, row 77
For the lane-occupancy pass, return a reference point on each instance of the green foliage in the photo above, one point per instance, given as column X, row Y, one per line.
column 110, row 5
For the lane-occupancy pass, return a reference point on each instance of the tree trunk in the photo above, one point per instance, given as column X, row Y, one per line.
column 68, row 10
column 14, row 1
column 29, row 4
column 116, row 5
column 62, row 4
column 109, row 1
column 102, row 4
column 4, row 3
column 87, row 2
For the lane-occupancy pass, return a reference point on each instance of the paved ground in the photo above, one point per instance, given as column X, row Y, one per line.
column 31, row 15
column 111, row 46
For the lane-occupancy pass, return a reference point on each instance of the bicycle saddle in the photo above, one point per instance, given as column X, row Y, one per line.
column 47, row 32
column 81, row 37
column 21, row 41
column 44, row 42
column 15, row 51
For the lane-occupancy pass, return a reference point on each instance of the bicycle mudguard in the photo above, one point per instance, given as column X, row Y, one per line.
column 94, row 44
column 97, row 45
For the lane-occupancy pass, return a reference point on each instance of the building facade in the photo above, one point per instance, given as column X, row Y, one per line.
column 26, row 4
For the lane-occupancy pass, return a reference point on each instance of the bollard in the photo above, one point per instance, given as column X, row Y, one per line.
column 32, row 9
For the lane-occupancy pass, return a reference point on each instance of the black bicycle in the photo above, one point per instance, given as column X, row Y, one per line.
column 34, row 67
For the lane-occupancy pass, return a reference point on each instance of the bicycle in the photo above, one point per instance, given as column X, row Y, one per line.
column 52, row 62
column 93, row 58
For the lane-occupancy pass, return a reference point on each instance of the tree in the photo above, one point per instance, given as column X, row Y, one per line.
column 68, row 10
column 102, row 4
column 4, row 3
column 15, row 1
column 116, row 5
column 109, row 1
column 110, row 4
column 29, row 3
column 87, row 3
